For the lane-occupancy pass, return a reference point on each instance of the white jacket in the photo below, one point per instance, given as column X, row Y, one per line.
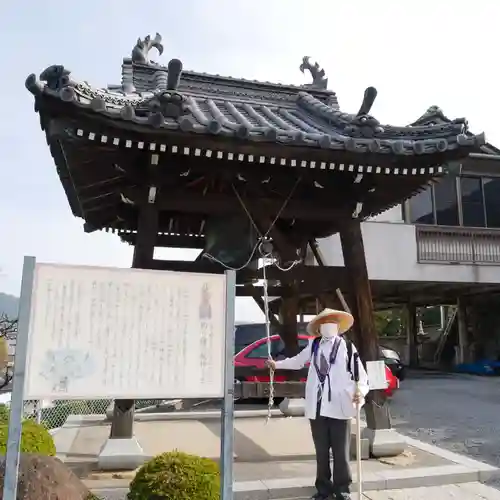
column 343, row 388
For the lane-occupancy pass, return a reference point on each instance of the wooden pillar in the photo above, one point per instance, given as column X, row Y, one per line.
column 122, row 426
column 412, row 335
column 288, row 319
column 366, row 337
column 463, row 341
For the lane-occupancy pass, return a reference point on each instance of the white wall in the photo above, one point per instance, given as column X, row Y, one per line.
column 391, row 254
column 394, row 214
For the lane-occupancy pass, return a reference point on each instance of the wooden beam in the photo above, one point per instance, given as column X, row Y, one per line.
column 122, row 426
column 330, row 276
column 215, row 204
column 351, row 238
column 243, row 277
column 308, row 288
column 168, row 240
column 412, row 334
column 187, row 266
column 289, row 311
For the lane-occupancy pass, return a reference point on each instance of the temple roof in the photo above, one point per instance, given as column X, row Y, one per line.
column 221, row 145
column 161, row 99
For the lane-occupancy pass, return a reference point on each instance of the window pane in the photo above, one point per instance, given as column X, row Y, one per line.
column 472, row 202
column 259, row 352
column 492, row 201
column 445, row 194
column 421, row 208
column 277, row 348
column 303, row 343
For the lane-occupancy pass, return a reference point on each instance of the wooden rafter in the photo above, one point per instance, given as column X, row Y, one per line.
column 223, row 204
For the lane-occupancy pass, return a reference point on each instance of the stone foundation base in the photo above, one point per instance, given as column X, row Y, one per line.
column 121, row 454
column 384, row 442
column 293, row 407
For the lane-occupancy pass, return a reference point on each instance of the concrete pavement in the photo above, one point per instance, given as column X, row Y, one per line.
column 456, row 412
column 465, row 491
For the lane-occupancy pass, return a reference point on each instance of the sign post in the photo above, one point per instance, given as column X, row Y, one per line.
column 17, row 398
column 227, row 420
column 83, row 329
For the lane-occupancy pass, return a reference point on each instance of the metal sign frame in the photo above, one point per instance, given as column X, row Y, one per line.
column 227, row 414
column 18, row 382
column 17, row 397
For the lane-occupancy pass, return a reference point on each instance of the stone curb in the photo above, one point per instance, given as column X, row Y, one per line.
column 301, row 487
column 462, row 470
column 63, row 441
column 205, row 415
column 72, row 420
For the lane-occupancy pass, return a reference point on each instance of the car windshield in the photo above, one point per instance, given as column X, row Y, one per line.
column 277, row 349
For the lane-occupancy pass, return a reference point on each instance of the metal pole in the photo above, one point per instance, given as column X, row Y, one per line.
column 227, row 429
column 16, row 403
column 38, row 413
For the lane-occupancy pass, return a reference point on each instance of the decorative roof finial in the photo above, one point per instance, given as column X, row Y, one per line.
column 174, row 74
column 368, row 100
column 142, row 47
column 317, row 73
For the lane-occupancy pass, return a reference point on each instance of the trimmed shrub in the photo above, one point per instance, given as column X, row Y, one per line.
column 4, row 353
column 4, row 414
column 35, row 438
column 176, row 476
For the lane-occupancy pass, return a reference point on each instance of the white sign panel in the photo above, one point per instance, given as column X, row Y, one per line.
column 125, row 334
column 377, row 377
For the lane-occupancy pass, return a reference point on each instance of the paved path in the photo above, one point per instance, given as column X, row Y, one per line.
column 467, row 491
column 460, row 413
column 457, row 412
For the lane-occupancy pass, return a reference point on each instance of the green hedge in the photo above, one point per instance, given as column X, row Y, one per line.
column 35, row 438
column 4, row 414
column 176, row 476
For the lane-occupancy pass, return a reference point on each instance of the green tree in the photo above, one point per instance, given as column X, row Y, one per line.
column 389, row 323
column 8, row 331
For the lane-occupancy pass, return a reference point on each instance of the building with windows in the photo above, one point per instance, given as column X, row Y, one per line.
column 441, row 246
column 470, row 199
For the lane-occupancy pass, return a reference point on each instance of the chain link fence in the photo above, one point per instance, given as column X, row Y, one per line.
column 54, row 414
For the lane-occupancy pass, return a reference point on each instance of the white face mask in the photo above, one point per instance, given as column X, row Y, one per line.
column 329, row 330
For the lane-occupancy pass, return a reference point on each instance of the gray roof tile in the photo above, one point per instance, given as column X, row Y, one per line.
column 255, row 111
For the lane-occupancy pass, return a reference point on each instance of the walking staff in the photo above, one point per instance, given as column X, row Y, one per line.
column 332, row 397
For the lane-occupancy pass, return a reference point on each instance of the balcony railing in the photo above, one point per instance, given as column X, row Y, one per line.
column 457, row 245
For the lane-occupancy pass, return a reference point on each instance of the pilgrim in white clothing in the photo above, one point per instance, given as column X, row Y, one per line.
column 330, row 400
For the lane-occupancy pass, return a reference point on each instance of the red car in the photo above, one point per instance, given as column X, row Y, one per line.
column 256, row 354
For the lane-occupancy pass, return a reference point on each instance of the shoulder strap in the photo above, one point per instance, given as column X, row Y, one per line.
column 349, row 355
column 315, row 345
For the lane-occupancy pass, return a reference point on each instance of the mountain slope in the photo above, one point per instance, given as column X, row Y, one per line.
column 8, row 305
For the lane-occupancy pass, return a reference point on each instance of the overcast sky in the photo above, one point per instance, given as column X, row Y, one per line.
column 417, row 54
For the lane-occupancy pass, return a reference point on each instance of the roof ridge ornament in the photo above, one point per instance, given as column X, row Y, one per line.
column 434, row 115
column 318, row 74
column 142, row 48
column 368, row 100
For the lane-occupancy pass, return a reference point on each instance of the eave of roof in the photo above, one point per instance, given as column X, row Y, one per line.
column 164, row 98
column 302, row 121
column 435, row 116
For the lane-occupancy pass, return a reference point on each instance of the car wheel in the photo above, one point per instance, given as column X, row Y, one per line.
column 238, row 381
column 402, row 374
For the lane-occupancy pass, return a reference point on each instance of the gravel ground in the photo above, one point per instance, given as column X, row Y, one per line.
column 460, row 413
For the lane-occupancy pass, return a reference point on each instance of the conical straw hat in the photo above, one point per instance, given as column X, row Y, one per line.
column 343, row 319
